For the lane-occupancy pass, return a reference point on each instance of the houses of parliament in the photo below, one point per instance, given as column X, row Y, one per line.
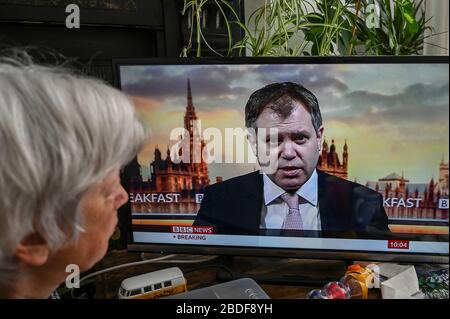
column 406, row 200
column 188, row 180
column 167, row 177
column 329, row 160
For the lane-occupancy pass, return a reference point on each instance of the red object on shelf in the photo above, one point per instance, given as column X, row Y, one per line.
column 336, row 290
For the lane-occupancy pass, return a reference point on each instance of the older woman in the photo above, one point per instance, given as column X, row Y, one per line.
column 63, row 139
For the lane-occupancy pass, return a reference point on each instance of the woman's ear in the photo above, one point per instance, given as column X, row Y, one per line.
column 32, row 250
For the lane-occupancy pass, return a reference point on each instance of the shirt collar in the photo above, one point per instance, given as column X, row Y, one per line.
column 307, row 191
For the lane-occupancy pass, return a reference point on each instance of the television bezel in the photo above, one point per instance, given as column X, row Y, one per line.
column 348, row 255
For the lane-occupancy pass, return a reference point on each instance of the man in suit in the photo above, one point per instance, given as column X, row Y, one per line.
column 289, row 193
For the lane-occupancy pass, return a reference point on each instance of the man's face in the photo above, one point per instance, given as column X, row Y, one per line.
column 294, row 147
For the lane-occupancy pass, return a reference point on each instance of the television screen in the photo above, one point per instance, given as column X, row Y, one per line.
column 300, row 157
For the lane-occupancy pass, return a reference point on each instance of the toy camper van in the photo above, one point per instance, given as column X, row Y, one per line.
column 154, row 284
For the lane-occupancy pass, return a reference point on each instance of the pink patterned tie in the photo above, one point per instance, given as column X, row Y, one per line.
column 293, row 220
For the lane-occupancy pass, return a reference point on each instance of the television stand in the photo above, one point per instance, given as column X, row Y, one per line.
column 282, row 271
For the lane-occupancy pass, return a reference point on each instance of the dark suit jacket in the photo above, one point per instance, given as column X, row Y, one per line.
column 234, row 206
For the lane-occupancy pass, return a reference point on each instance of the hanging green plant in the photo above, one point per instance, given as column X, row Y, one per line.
column 322, row 27
column 194, row 9
column 400, row 29
column 329, row 27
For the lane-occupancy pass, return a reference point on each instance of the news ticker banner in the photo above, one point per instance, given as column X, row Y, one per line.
column 174, row 198
column 202, row 235
column 157, row 222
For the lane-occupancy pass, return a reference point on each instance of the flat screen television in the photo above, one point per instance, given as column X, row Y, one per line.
column 352, row 157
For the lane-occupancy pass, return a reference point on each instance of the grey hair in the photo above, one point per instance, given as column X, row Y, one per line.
column 60, row 133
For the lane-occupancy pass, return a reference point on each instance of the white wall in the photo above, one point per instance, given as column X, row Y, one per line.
column 438, row 9
column 249, row 7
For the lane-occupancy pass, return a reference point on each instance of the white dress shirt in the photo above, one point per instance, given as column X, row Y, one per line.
column 274, row 209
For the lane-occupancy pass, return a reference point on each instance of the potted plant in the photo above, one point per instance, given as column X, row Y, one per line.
column 323, row 27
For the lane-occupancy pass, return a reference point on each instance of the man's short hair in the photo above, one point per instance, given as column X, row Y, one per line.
column 279, row 98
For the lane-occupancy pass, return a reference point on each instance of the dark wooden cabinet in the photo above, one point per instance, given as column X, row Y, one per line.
column 112, row 29
column 151, row 28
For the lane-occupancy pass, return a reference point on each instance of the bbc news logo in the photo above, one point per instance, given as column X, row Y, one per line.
column 192, row 229
column 398, row 244
column 182, row 229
